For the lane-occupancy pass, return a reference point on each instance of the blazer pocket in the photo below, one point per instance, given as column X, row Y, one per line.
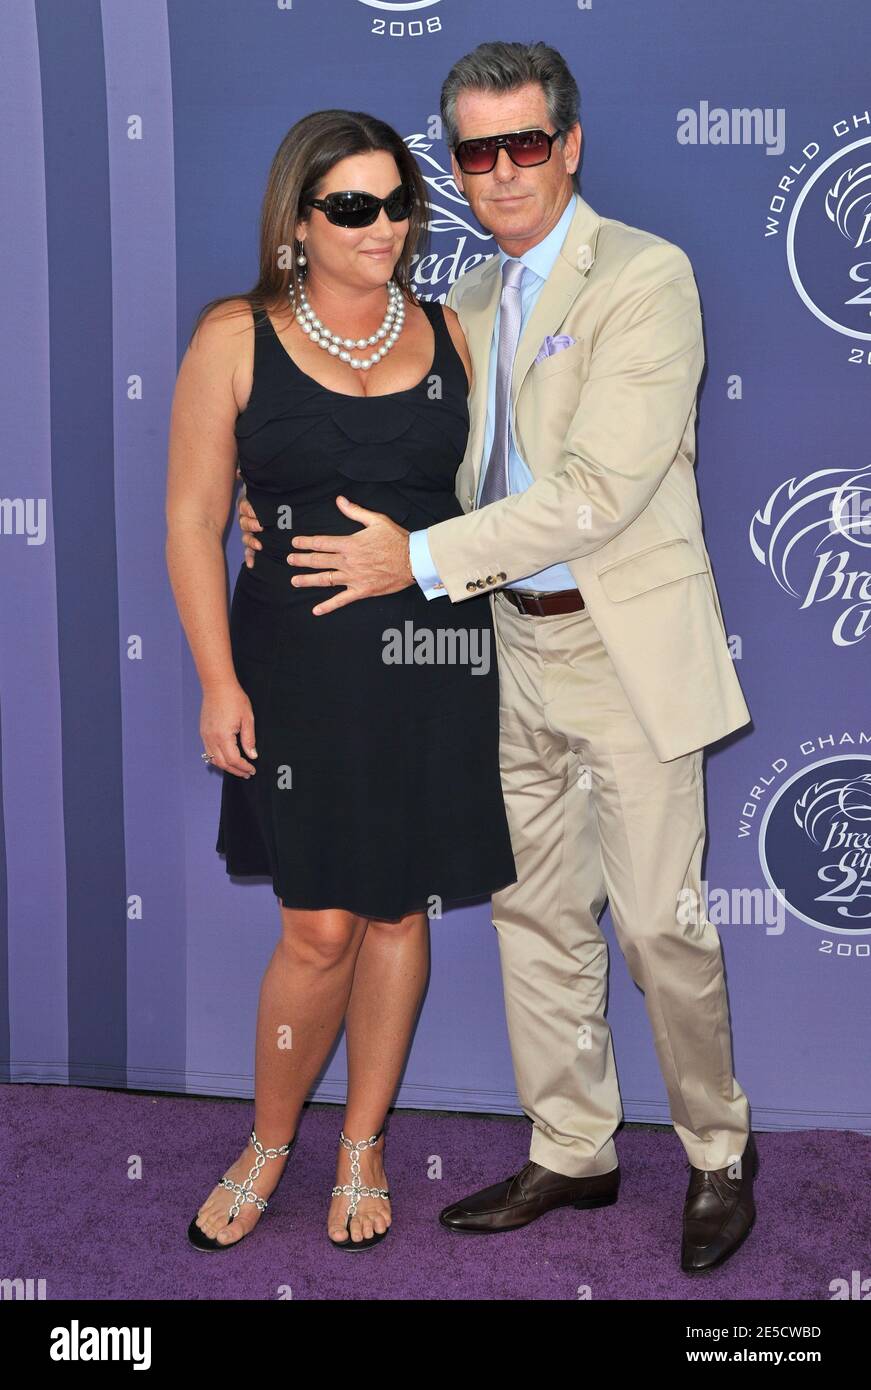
column 560, row 361
column 648, row 569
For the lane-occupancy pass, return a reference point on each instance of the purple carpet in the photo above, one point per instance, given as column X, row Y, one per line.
column 76, row 1218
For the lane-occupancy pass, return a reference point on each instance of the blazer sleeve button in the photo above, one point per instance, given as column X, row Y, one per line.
column 471, row 584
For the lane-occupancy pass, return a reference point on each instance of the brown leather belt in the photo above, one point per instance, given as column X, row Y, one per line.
column 542, row 605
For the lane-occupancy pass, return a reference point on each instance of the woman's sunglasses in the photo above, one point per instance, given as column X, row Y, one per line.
column 524, row 147
column 354, row 209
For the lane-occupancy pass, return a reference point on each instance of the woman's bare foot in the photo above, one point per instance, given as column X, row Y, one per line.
column 213, row 1217
column 373, row 1213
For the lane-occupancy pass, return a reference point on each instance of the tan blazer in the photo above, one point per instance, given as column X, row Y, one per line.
column 607, row 427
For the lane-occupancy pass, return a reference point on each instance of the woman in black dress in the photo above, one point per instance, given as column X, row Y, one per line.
column 373, row 795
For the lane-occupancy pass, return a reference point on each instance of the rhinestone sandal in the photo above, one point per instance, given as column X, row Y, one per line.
column 244, row 1193
column 355, row 1190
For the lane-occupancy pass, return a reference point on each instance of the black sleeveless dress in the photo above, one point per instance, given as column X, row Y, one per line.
column 377, row 725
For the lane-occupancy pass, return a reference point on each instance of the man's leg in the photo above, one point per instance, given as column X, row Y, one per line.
column 651, row 832
column 553, row 954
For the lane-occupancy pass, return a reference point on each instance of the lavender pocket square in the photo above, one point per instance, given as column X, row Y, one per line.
column 550, row 346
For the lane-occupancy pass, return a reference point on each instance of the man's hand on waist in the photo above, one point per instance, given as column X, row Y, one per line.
column 370, row 562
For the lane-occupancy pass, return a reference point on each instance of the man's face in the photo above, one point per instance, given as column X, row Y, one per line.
column 519, row 206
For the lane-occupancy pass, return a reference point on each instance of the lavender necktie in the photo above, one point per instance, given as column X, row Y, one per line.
column 496, row 477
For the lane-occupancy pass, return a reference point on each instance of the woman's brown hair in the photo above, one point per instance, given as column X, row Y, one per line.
column 306, row 154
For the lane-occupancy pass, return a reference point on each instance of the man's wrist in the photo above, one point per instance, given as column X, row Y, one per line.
column 422, row 566
column 409, row 572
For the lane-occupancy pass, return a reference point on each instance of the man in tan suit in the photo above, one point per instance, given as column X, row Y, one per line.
column 583, row 524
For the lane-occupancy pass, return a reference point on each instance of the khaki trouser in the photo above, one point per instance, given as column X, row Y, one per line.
column 593, row 814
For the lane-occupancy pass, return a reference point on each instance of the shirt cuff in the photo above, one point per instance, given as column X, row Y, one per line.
column 422, row 567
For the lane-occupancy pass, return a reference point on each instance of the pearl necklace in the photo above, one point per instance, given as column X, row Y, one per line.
column 337, row 346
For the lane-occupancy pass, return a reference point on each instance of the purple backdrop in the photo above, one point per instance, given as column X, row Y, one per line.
column 137, row 140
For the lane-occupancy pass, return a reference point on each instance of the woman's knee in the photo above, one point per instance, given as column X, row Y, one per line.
column 322, row 938
column 398, row 927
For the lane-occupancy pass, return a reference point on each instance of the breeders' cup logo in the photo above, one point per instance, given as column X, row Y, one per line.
column 451, row 214
column 814, row 536
column 828, row 231
column 815, row 844
column 411, row 28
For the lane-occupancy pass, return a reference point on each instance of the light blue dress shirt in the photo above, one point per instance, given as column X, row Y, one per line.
column 539, row 261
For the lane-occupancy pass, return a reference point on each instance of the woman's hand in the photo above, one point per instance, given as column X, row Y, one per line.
column 248, row 523
column 226, row 711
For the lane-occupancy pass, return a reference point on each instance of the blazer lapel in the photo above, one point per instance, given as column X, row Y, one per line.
column 479, row 313
column 558, row 293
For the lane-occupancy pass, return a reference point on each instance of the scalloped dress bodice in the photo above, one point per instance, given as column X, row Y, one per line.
column 301, row 444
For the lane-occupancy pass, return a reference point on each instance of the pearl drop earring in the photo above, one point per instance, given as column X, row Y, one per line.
column 301, row 258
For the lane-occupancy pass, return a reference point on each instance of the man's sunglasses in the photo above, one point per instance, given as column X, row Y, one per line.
column 352, row 208
column 524, row 147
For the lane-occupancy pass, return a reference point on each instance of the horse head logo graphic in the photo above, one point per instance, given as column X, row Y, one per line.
column 811, row 534
column 848, row 205
column 824, row 808
column 444, row 186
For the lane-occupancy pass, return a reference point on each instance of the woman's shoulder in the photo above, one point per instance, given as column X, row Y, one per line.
column 222, row 345
column 224, row 324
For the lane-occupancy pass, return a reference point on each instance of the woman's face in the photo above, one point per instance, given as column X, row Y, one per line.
column 358, row 256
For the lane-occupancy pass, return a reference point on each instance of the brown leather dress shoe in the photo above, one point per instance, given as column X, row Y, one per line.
column 528, row 1195
column 718, row 1213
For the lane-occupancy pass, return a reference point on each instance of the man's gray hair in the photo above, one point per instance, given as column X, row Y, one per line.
column 500, row 67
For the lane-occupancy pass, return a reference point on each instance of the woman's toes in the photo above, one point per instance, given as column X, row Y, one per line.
column 210, row 1217
column 240, row 1226
column 336, row 1226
